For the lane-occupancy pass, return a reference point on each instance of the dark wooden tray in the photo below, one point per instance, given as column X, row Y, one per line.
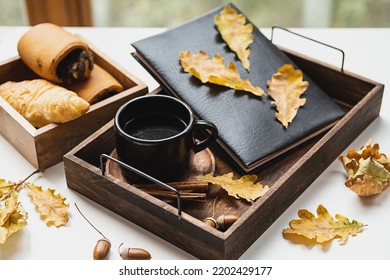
column 287, row 177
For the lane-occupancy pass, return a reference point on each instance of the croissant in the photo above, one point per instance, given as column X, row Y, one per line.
column 42, row 102
column 55, row 54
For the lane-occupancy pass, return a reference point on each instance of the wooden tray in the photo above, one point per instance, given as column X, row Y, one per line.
column 45, row 146
column 287, row 177
column 202, row 162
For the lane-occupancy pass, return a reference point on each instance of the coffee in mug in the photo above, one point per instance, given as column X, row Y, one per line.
column 156, row 135
column 154, row 126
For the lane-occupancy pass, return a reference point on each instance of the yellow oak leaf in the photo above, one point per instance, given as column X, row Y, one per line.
column 285, row 88
column 16, row 221
column 5, row 188
column 323, row 227
column 51, row 207
column 237, row 35
column 214, row 71
column 8, row 205
column 244, row 187
column 368, row 171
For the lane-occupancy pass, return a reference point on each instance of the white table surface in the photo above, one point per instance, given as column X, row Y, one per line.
column 367, row 54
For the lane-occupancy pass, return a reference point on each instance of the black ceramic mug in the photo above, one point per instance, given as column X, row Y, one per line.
column 155, row 134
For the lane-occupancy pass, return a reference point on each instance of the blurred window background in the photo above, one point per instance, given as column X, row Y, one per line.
column 169, row 13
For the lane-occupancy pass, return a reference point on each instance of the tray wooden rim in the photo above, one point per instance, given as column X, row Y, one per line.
column 368, row 105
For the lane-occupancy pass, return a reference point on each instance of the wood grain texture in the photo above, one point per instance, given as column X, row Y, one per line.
column 287, row 177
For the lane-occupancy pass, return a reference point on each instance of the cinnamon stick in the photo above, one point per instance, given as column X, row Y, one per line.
column 171, row 195
column 195, row 186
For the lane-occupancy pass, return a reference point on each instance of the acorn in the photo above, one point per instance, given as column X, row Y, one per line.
column 225, row 221
column 134, row 253
column 102, row 249
column 211, row 222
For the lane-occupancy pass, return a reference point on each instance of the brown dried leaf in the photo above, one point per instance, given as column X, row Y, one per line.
column 214, row 71
column 368, row 170
column 323, row 228
column 244, row 187
column 51, row 207
column 237, row 35
column 285, row 87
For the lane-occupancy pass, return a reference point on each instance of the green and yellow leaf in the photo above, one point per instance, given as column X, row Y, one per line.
column 368, row 171
column 244, row 187
column 323, row 227
column 237, row 35
column 214, row 71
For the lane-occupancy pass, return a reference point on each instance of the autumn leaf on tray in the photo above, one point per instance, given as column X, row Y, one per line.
column 237, row 35
column 214, row 71
column 323, row 227
column 368, row 171
column 51, row 207
column 285, row 88
column 12, row 215
column 244, row 187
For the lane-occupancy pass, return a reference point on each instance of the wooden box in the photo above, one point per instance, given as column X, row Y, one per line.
column 45, row 146
column 287, row 177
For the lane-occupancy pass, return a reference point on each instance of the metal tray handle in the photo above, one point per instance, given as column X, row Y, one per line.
column 104, row 158
column 310, row 39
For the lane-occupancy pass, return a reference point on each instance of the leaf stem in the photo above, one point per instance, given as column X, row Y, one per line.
column 25, row 179
column 16, row 186
column 89, row 221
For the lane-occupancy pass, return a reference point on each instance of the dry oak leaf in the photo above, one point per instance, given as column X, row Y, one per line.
column 7, row 206
column 323, row 228
column 6, row 187
column 237, row 35
column 368, row 171
column 285, row 88
column 215, row 72
column 16, row 221
column 244, row 187
column 51, row 207
column 12, row 215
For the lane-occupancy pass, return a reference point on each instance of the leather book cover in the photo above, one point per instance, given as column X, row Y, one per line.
column 249, row 132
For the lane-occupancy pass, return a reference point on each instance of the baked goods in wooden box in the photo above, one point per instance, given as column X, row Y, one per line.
column 42, row 102
column 44, row 120
column 287, row 177
column 55, row 54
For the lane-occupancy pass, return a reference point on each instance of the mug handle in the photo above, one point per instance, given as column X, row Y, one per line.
column 211, row 135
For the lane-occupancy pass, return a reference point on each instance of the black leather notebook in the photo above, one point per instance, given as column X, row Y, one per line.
column 249, row 132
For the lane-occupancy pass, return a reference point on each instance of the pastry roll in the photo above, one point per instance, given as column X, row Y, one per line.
column 55, row 54
column 100, row 85
column 42, row 102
